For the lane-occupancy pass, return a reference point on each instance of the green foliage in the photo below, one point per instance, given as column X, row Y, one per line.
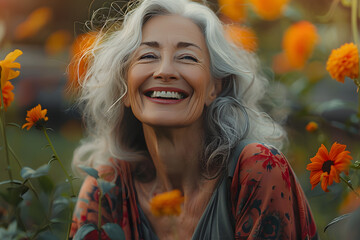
column 114, row 231
column 84, row 230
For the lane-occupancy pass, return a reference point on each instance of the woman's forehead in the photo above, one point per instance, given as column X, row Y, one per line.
column 172, row 28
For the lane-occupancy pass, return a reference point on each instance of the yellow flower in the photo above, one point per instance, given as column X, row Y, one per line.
column 269, row 10
column 312, row 126
column 344, row 62
column 8, row 95
column 36, row 116
column 242, row 36
column 167, row 204
column 298, row 43
column 7, row 65
column 34, row 23
column 233, row 9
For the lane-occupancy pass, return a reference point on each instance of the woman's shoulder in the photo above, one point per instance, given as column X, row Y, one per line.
column 259, row 161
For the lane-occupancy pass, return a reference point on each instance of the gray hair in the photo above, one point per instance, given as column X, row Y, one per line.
column 235, row 114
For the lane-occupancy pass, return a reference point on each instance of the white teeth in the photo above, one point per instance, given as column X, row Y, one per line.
column 166, row 94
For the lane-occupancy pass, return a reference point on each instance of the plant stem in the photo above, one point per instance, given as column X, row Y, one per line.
column 350, row 186
column 3, row 131
column 15, row 157
column 354, row 21
column 59, row 161
column 355, row 32
column 99, row 214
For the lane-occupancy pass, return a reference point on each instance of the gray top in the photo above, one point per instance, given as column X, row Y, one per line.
column 217, row 221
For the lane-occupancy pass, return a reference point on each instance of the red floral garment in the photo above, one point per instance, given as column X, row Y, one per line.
column 267, row 201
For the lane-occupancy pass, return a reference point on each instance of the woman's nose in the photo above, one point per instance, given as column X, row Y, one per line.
column 166, row 70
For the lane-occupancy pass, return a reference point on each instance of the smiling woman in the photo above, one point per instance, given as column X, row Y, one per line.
column 169, row 80
column 170, row 104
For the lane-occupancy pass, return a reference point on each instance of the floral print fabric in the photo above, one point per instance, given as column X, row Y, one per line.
column 267, row 202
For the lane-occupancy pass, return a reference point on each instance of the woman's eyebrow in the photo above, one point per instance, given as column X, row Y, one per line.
column 151, row 44
column 187, row 44
column 179, row 44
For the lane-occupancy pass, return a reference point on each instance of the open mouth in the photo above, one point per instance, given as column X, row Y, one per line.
column 166, row 95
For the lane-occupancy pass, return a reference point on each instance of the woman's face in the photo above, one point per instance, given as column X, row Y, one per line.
column 169, row 80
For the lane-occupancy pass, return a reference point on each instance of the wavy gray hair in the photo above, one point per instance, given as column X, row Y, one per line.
column 112, row 129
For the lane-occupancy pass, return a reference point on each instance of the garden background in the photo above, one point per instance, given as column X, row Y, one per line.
column 46, row 31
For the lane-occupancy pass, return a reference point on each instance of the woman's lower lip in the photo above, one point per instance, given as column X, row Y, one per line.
column 164, row 101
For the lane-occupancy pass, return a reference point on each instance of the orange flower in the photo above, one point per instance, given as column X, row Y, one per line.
column 233, row 9
column 298, row 43
column 344, row 62
column 167, row 204
column 269, row 10
column 243, row 37
column 79, row 63
column 8, row 95
column 312, row 126
column 7, row 65
column 57, row 42
column 36, row 116
column 326, row 167
column 34, row 23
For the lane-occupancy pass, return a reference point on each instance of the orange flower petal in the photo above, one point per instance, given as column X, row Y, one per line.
column 233, row 9
column 269, row 10
column 7, row 65
column 314, row 166
column 34, row 23
column 8, row 95
column 324, row 181
column 312, row 126
column 79, row 63
column 298, row 43
column 57, row 42
column 326, row 169
column 167, row 204
column 36, row 116
column 242, row 36
column 315, row 179
column 344, row 62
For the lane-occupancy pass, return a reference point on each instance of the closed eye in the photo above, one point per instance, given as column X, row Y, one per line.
column 148, row 56
column 188, row 57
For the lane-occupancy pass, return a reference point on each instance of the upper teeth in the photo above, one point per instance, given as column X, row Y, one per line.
column 166, row 94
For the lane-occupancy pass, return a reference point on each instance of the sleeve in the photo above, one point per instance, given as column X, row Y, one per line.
column 267, row 200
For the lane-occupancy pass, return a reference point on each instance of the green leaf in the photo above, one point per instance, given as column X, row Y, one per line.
column 17, row 182
column 46, row 184
column 334, row 104
column 84, row 230
column 47, row 235
column 59, row 205
column 114, row 231
column 27, row 172
column 46, row 146
column 105, row 186
column 338, row 219
column 89, row 170
column 14, row 125
column 14, row 194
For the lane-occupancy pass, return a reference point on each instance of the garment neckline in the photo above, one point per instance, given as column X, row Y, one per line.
column 144, row 219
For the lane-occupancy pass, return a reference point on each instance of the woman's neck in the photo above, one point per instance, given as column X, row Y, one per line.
column 176, row 154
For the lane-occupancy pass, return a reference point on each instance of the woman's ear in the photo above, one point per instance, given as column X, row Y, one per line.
column 214, row 91
column 126, row 100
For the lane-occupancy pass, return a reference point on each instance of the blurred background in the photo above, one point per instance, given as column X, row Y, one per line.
column 47, row 31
